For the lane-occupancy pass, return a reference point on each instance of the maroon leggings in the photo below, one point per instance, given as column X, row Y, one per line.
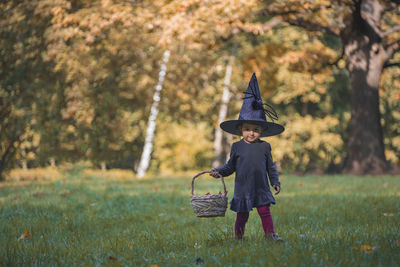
column 266, row 220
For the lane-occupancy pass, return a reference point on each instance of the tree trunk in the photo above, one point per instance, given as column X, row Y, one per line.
column 103, row 166
column 24, row 162
column 223, row 110
column 151, row 126
column 52, row 162
column 7, row 155
column 364, row 53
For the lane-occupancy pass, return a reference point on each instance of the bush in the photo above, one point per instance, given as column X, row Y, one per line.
column 109, row 174
column 36, row 174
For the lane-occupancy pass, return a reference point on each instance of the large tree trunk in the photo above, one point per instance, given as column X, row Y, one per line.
column 364, row 53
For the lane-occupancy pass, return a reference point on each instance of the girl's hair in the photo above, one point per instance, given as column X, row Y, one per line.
column 239, row 127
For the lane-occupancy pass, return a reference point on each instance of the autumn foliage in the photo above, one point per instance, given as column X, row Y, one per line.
column 77, row 80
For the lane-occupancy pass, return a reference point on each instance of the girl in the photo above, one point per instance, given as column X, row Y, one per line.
column 251, row 159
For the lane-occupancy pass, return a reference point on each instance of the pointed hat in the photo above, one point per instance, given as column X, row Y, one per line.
column 253, row 111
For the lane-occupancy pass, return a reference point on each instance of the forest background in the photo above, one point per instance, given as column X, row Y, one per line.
column 78, row 82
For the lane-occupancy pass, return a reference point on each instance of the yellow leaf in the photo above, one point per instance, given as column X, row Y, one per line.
column 366, row 248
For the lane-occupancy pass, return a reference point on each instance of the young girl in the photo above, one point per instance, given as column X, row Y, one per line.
column 251, row 159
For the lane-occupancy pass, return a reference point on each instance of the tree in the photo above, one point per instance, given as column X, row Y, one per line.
column 106, row 52
column 223, row 111
column 24, row 75
column 151, row 127
column 368, row 31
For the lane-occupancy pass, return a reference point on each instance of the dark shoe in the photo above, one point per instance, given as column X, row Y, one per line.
column 274, row 237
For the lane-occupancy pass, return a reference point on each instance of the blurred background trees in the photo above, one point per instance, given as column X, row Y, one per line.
column 77, row 80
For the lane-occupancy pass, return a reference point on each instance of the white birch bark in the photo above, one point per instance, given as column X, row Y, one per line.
column 24, row 161
column 151, row 126
column 223, row 111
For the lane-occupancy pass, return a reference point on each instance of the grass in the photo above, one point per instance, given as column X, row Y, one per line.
column 81, row 220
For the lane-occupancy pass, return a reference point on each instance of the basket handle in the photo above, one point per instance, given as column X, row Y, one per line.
column 203, row 172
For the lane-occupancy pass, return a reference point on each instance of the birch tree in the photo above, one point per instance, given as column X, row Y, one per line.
column 151, row 126
column 223, row 110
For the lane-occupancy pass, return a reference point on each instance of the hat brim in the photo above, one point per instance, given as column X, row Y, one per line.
column 269, row 128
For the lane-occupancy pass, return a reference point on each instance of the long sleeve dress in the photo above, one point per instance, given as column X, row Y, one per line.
column 251, row 162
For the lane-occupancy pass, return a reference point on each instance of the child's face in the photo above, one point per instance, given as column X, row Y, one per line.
column 251, row 132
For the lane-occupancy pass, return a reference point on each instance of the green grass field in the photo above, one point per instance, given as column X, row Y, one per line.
column 93, row 221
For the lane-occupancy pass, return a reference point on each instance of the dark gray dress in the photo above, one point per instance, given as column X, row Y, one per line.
column 252, row 162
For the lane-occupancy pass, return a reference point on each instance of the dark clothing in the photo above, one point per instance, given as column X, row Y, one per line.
column 251, row 162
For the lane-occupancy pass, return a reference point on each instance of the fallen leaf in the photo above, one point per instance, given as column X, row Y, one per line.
column 300, row 185
column 25, row 235
column 385, row 185
column 111, row 258
column 398, row 242
column 207, row 193
column 366, row 248
column 16, row 196
column 155, row 189
column 388, row 214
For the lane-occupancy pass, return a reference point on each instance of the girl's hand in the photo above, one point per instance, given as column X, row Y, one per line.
column 277, row 188
column 214, row 173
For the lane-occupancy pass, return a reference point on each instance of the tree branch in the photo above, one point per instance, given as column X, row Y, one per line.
column 371, row 12
column 267, row 12
column 391, row 30
column 391, row 49
column 391, row 64
column 300, row 22
column 391, row 6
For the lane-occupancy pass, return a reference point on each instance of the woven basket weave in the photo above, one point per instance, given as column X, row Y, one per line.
column 209, row 205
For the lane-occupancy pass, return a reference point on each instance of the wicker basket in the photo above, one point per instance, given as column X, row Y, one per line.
column 209, row 205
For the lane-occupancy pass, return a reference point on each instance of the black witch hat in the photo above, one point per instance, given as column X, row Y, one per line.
column 253, row 111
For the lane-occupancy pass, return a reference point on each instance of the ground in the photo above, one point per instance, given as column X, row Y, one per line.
column 90, row 220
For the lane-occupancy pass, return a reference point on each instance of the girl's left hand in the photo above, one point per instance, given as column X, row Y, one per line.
column 277, row 188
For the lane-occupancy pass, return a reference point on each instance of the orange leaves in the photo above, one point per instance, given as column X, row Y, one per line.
column 368, row 249
column 26, row 235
